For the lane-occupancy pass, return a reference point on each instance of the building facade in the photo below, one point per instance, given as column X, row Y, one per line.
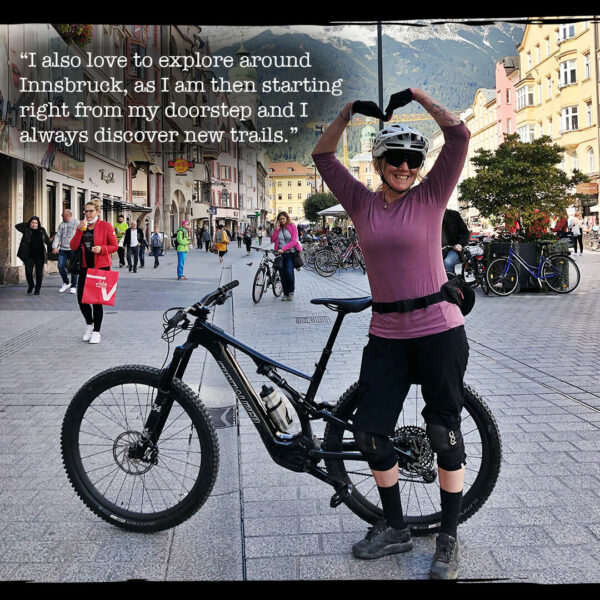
column 557, row 95
column 290, row 185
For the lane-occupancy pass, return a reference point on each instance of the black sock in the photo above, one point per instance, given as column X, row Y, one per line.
column 392, row 506
column 451, row 504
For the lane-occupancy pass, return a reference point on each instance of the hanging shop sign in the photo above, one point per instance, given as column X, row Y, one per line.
column 181, row 166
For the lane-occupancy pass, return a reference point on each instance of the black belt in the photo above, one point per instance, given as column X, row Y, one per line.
column 403, row 306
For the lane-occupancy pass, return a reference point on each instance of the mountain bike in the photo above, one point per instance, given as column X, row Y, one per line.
column 140, row 449
column 558, row 271
column 339, row 255
column 266, row 276
column 473, row 267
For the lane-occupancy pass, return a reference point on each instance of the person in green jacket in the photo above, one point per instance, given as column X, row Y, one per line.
column 183, row 244
column 121, row 226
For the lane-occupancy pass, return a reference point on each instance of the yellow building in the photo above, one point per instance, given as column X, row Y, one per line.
column 290, row 184
column 557, row 93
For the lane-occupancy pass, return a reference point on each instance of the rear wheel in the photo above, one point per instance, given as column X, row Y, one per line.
column 258, row 287
column 277, row 286
column 326, row 263
column 101, row 429
column 502, row 277
column 468, row 274
column 419, row 488
column 561, row 274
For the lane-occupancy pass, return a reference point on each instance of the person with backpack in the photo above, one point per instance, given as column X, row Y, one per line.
column 248, row 240
column 183, row 245
column 221, row 240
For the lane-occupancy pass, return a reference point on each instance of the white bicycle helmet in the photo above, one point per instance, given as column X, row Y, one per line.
column 399, row 137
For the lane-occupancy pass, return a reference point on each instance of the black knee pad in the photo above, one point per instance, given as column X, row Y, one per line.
column 448, row 445
column 377, row 449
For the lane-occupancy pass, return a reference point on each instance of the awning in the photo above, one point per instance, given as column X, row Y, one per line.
column 333, row 211
column 155, row 169
column 129, row 206
column 137, row 153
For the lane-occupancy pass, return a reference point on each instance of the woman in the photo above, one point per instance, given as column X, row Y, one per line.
column 33, row 251
column 96, row 241
column 248, row 240
column 206, row 239
column 221, row 240
column 156, row 241
column 399, row 227
column 285, row 237
column 577, row 231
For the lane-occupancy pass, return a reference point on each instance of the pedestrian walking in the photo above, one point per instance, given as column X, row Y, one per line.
column 206, row 239
column 198, row 237
column 156, row 242
column 260, row 234
column 61, row 245
column 222, row 241
column 248, row 240
column 286, row 242
column 95, row 241
column 577, row 231
column 33, row 251
column 132, row 242
column 399, row 227
column 143, row 246
column 183, row 245
column 121, row 226
column 239, row 237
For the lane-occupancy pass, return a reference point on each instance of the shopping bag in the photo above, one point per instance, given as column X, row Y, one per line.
column 100, row 287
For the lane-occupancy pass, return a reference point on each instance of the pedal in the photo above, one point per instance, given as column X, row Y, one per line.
column 340, row 495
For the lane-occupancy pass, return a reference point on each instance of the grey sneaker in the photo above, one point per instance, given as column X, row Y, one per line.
column 445, row 559
column 291, row 296
column 382, row 539
column 285, row 298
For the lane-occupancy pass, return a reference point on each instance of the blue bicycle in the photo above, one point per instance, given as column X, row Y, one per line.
column 558, row 271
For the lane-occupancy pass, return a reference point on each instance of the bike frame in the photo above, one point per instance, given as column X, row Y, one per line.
column 537, row 274
column 298, row 452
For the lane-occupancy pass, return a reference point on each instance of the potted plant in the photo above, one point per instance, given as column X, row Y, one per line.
column 77, row 34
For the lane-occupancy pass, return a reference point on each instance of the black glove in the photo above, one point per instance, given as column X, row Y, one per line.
column 397, row 100
column 368, row 108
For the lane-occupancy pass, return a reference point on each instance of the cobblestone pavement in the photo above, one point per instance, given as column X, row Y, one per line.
column 534, row 358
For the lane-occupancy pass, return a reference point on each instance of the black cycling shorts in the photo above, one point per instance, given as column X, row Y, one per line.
column 390, row 366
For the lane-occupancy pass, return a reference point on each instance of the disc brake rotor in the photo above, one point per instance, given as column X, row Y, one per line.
column 421, row 464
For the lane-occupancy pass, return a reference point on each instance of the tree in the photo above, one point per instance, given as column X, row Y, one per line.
column 520, row 185
column 316, row 202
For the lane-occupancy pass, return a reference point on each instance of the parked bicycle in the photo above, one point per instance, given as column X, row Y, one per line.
column 557, row 270
column 266, row 276
column 472, row 266
column 340, row 254
column 141, row 452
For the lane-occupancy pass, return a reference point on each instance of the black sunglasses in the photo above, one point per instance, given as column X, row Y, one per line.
column 396, row 157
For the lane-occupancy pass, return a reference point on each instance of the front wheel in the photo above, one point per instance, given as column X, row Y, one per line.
column 419, row 488
column 560, row 273
column 502, row 277
column 326, row 263
column 101, row 428
column 258, row 287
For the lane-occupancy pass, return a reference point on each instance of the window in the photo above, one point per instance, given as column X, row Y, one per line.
column 550, row 126
column 507, row 96
column 289, row 196
column 568, row 118
column 289, row 183
column 299, row 183
column 225, row 172
column 566, row 32
column 591, row 161
column 299, row 196
column 575, row 161
column 568, row 73
column 588, row 114
column 587, row 73
column 509, row 126
column 547, row 46
column 549, row 87
column 289, row 210
column 539, row 92
column 524, row 97
column 538, row 54
column 279, row 184
column 527, row 133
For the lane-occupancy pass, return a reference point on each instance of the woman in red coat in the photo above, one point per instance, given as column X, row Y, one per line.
column 96, row 241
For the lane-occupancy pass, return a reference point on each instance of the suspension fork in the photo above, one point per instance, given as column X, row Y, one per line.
column 163, row 402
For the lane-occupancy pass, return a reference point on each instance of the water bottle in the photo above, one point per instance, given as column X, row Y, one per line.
column 276, row 409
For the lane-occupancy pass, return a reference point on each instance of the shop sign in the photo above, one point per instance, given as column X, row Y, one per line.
column 181, row 166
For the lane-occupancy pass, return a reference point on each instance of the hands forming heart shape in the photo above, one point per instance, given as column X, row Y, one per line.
column 370, row 109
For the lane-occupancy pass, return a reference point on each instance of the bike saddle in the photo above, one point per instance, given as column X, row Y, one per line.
column 349, row 305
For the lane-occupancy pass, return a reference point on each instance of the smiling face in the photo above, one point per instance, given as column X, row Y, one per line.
column 401, row 178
